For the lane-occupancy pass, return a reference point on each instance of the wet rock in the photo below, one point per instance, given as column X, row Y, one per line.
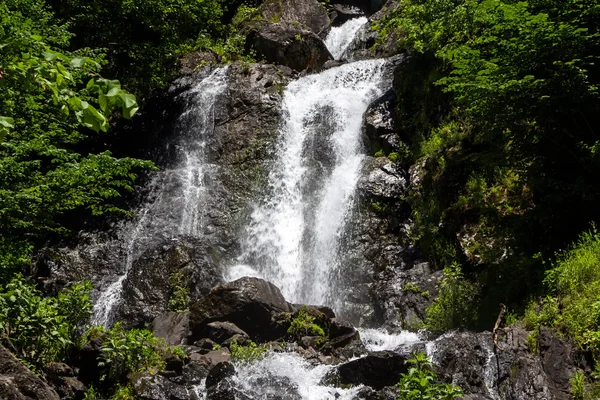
column 212, row 358
column 384, row 180
column 378, row 124
column 17, row 382
column 367, row 7
column 470, row 360
column 205, row 343
column 157, row 387
column 62, row 377
column 332, row 64
column 289, row 45
column 308, row 14
column 342, row 13
column 219, row 372
column 377, row 370
column 249, row 303
column 148, row 288
column 222, row 331
column 172, row 326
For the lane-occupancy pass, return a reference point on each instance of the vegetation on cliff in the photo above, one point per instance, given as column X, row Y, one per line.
column 499, row 105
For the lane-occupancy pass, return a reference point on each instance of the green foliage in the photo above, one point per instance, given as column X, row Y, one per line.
column 499, row 101
column 180, row 298
column 42, row 329
column 124, row 352
column 247, row 354
column 578, row 389
column 46, row 172
column 304, row 325
column 419, row 383
column 411, row 287
column 456, row 304
column 143, row 38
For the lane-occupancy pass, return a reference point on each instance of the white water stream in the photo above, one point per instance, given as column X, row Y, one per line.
column 293, row 239
column 176, row 193
column 340, row 37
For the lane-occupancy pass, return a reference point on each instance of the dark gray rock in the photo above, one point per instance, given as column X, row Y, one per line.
column 290, row 45
column 249, row 303
column 342, row 13
column 308, row 14
column 172, row 326
column 377, row 370
column 367, row 7
column 222, row 331
column 219, row 372
column 17, row 382
column 148, row 289
column 378, row 125
column 471, row 361
column 157, row 387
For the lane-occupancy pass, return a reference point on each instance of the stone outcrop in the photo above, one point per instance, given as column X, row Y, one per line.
column 289, row 45
column 249, row 303
column 17, row 382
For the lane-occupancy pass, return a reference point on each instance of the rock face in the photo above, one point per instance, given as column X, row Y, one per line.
column 470, row 360
column 17, row 382
column 172, row 326
column 148, row 288
column 289, row 45
column 249, row 303
column 309, row 14
column 290, row 33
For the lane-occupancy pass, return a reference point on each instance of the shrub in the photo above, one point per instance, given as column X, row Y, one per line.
column 455, row 306
column 180, row 298
column 42, row 329
column 247, row 354
column 419, row 383
column 124, row 352
column 304, row 325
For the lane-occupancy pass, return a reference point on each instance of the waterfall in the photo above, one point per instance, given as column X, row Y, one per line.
column 293, row 239
column 176, row 193
column 340, row 37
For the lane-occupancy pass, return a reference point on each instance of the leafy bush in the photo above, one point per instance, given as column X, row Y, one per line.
column 47, row 113
column 247, row 354
column 455, row 306
column 304, row 325
column 419, row 383
column 42, row 329
column 124, row 352
column 180, row 297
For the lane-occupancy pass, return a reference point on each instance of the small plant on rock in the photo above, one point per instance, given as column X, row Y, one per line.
column 247, row 354
column 419, row 383
column 304, row 325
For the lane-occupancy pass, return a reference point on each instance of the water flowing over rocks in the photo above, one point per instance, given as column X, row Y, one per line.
column 278, row 197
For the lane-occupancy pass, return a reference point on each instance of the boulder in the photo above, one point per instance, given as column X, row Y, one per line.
column 172, row 326
column 343, row 13
column 378, row 125
column 308, row 14
column 157, row 387
column 17, row 382
column 222, row 331
column 211, row 358
column 289, row 45
column 249, row 303
column 219, row 372
column 148, row 289
column 377, row 370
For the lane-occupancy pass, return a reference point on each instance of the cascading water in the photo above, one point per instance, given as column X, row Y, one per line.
column 340, row 37
column 177, row 193
column 293, row 238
